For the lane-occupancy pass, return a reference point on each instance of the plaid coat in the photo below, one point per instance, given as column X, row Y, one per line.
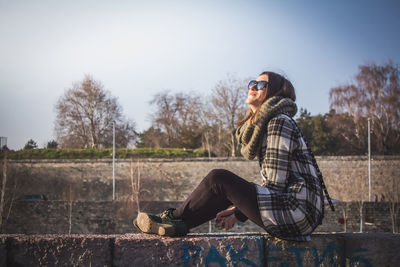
column 290, row 199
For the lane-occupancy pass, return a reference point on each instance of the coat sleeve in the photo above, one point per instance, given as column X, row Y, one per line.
column 280, row 144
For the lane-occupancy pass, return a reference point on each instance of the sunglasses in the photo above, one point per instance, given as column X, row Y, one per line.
column 259, row 85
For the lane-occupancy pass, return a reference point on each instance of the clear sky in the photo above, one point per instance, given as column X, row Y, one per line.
column 139, row 48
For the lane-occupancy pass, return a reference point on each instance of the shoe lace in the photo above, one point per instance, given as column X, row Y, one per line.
column 168, row 214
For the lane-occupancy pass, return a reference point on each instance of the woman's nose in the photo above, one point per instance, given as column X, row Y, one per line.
column 253, row 88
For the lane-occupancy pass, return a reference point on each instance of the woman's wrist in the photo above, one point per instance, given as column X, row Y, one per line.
column 239, row 215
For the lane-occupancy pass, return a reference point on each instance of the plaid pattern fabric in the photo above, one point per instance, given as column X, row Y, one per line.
column 250, row 134
column 290, row 199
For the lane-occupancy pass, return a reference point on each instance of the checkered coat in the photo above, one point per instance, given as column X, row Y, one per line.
column 290, row 199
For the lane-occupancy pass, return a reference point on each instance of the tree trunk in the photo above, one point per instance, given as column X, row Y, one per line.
column 220, row 150
column 93, row 139
column 233, row 151
column 206, row 136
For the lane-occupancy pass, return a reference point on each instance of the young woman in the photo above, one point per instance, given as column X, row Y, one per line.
column 289, row 204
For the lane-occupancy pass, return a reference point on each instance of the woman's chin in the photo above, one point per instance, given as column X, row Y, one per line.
column 252, row 101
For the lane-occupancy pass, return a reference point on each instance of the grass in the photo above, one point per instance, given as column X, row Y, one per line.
column 121, row 153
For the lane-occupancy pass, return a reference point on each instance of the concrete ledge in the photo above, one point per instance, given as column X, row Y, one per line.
column 250, row 249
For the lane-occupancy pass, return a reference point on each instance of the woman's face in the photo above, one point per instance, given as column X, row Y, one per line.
column 255, row 98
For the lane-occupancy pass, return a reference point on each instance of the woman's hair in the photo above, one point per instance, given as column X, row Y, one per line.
column 277, row 86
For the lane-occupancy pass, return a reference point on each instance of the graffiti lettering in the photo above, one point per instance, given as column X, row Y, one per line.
column 238, row 256
column 190, row 252
column 330, row 255
column 213, row 256
column 329, row 250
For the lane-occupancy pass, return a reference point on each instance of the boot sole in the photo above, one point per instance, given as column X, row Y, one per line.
column 147, row 225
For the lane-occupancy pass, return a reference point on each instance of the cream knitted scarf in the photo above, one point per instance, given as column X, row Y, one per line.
column 249, row 135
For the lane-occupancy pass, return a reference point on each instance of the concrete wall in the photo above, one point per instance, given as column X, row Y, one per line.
column 107, row 217
column 199, row 250
column 79, row 192
column 172, row 180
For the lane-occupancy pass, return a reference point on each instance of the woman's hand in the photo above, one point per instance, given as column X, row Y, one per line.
column 226, row 219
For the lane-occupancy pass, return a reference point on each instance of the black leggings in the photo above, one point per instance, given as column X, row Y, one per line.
column 219, row 190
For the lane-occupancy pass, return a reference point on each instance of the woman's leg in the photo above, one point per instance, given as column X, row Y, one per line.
column 219, row 190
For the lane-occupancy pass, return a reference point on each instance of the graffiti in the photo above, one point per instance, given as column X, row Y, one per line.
column 213, row 256
column 357, row 260
column 190, row 252
column 329, row 255
column 239, row 256
column 299, row 252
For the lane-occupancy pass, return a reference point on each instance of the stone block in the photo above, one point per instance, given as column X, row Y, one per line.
column 59, row 250
column 372, row 249
column 322, row 250
column 192, row 250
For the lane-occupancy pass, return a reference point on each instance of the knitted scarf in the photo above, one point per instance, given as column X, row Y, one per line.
column 249, row 135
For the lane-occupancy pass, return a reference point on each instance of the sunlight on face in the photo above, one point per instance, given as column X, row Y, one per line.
column 255, row 98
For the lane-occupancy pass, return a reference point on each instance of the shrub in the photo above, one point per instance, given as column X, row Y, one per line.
column 121, row 153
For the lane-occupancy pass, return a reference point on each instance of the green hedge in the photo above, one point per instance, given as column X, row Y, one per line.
column 121, row 153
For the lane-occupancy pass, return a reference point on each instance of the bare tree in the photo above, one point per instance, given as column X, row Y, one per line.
column 178, row 117
column 85, row 114
column 190, row 120
column 136, row 186
column 375, row 94
column 349, row 137
column 165, row 117
column 206, row 127
column 216, row 137
column 228, row 102
column 187, row 120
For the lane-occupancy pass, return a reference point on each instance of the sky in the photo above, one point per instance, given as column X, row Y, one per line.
column 137, row 49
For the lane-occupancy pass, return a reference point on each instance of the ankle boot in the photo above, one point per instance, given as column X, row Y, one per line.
column 163, row 224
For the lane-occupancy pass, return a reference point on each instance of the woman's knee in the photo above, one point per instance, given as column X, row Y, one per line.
column 218, row 176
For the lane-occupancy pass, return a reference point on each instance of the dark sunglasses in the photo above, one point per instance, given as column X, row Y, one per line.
column 259, row 85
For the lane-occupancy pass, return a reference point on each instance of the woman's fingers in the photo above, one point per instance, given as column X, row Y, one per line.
column 226, row 219
column 220, row 223
column 227, row 222
column 225, row 213
column 220, row 215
